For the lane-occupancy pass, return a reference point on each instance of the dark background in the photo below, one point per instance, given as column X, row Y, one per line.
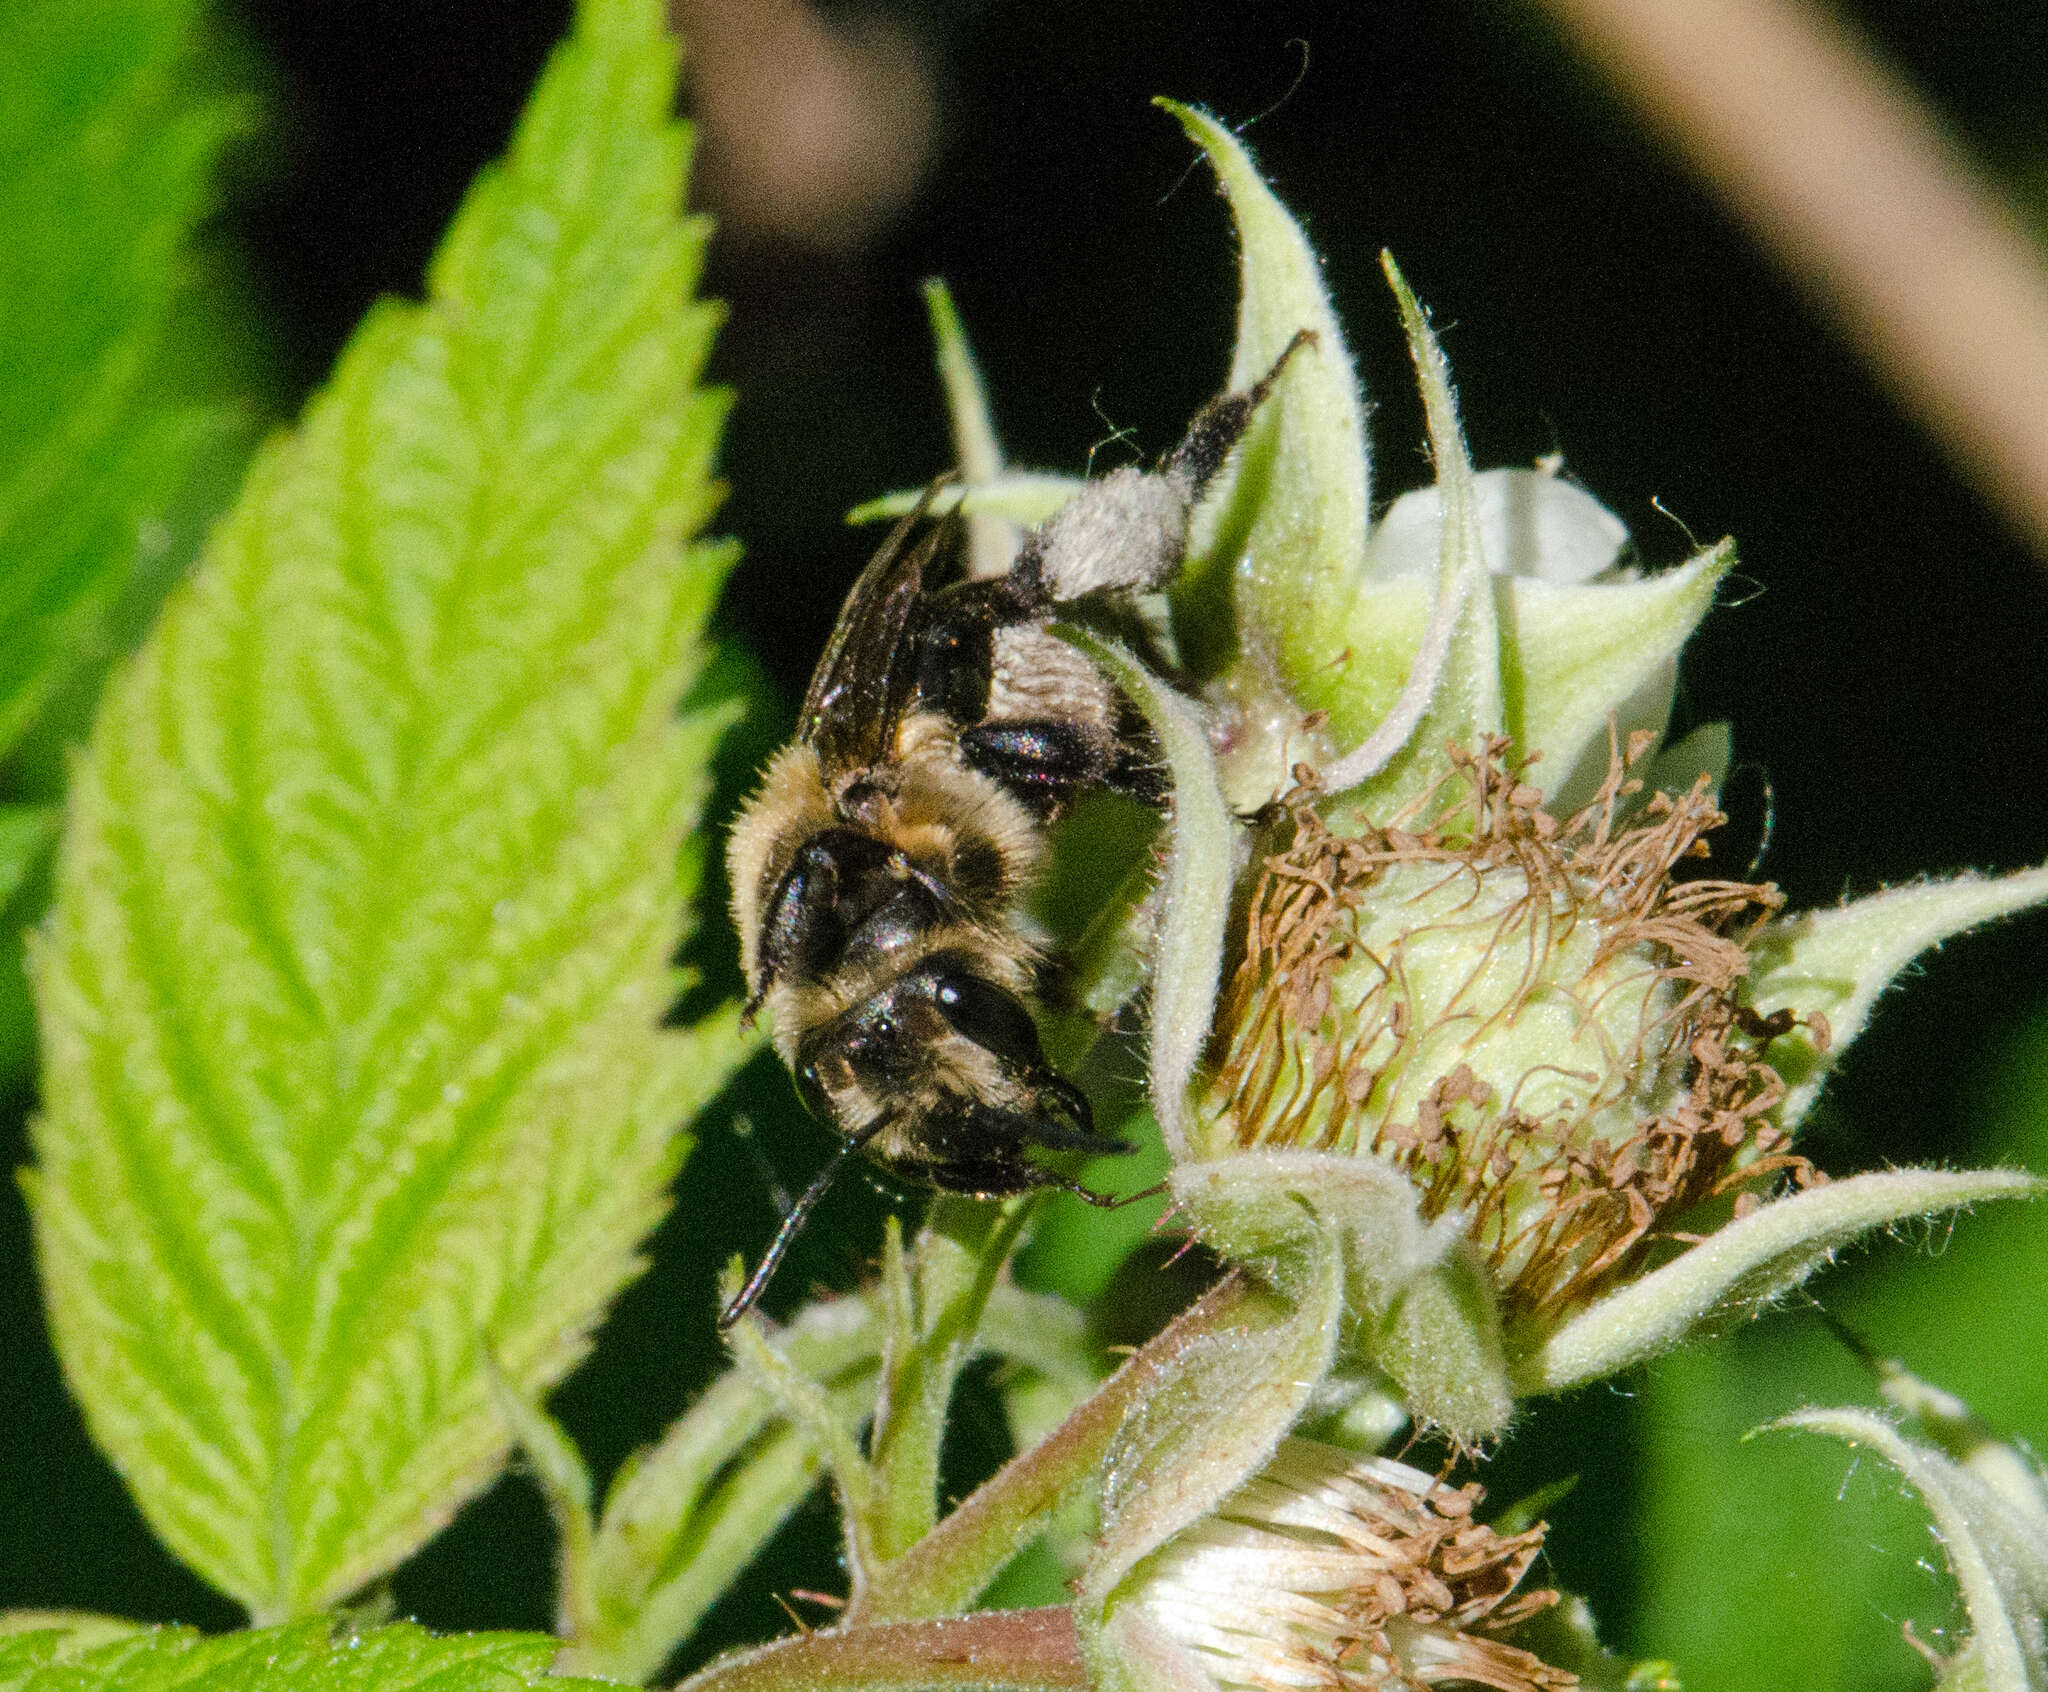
column 1879, row 654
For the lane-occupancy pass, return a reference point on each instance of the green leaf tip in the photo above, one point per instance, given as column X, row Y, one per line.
column 1333, row 638
column 1016, row 497
column 353, row 997
column 992, row 536
column 1278, row 547
column 1834, row 965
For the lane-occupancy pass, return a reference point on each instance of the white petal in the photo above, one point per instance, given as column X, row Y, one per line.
column 1530, row 524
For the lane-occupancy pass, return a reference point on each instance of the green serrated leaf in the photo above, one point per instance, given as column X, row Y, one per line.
column 1835, row 964
column 353, row 992
column 304, row 1657
column 110, row 132
column 24, row 831
column 77, row 1630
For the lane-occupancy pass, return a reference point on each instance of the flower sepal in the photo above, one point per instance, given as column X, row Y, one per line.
column 1746, row 1264
column 1826, row 969
column 1990, row 1513
column 1416, row 1301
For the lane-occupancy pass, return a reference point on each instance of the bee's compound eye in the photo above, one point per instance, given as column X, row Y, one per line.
column 991, row 1017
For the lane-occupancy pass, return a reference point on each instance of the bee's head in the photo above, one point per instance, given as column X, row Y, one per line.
column 943, row 1064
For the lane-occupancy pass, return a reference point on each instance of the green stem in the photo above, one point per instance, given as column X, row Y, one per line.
column 1001, row 1651
column 962, row 1251
column 640, row 1629
column 810, row 1409
column 944, row 1571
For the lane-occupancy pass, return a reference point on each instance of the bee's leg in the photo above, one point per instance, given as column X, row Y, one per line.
column 1106, row 1201
column 1127, row 532
column 793, row 1224
column 1221, row 424
column 956, row 646
column 1043, row 761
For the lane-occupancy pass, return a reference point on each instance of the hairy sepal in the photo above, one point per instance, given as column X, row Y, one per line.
column 1745, row 1264
column 1221, row 1404
column 1419, row 1307
column 1996, row 1546
column 1193, row 901
column 1834, row 964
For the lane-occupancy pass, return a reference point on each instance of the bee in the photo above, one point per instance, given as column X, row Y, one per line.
column 878, row 873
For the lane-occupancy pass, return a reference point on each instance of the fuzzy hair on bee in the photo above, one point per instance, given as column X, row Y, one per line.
column 878, row 874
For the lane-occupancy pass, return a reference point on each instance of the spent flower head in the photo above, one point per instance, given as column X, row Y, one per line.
column 1530, row 1018
column 1329, row 1570
column 1478, row 1083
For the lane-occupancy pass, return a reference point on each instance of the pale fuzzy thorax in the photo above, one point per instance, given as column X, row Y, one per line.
column 929, row 805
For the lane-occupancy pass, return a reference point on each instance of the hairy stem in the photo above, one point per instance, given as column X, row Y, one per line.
column 946, row 1568
column 1001, row 1650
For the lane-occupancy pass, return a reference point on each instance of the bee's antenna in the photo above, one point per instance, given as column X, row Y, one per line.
column 792, row 1224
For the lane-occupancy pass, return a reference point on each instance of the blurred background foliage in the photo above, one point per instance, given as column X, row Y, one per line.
column 1881, row 657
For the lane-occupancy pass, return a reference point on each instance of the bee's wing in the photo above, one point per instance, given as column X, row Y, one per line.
column 864, row 681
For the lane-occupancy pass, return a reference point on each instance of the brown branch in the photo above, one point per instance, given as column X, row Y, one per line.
column 1018, row 1650
column 1841, row 171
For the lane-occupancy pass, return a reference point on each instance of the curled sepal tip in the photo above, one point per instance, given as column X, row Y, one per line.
column 1996, row 1549
column 1262, row 609
column 1427, row 1314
